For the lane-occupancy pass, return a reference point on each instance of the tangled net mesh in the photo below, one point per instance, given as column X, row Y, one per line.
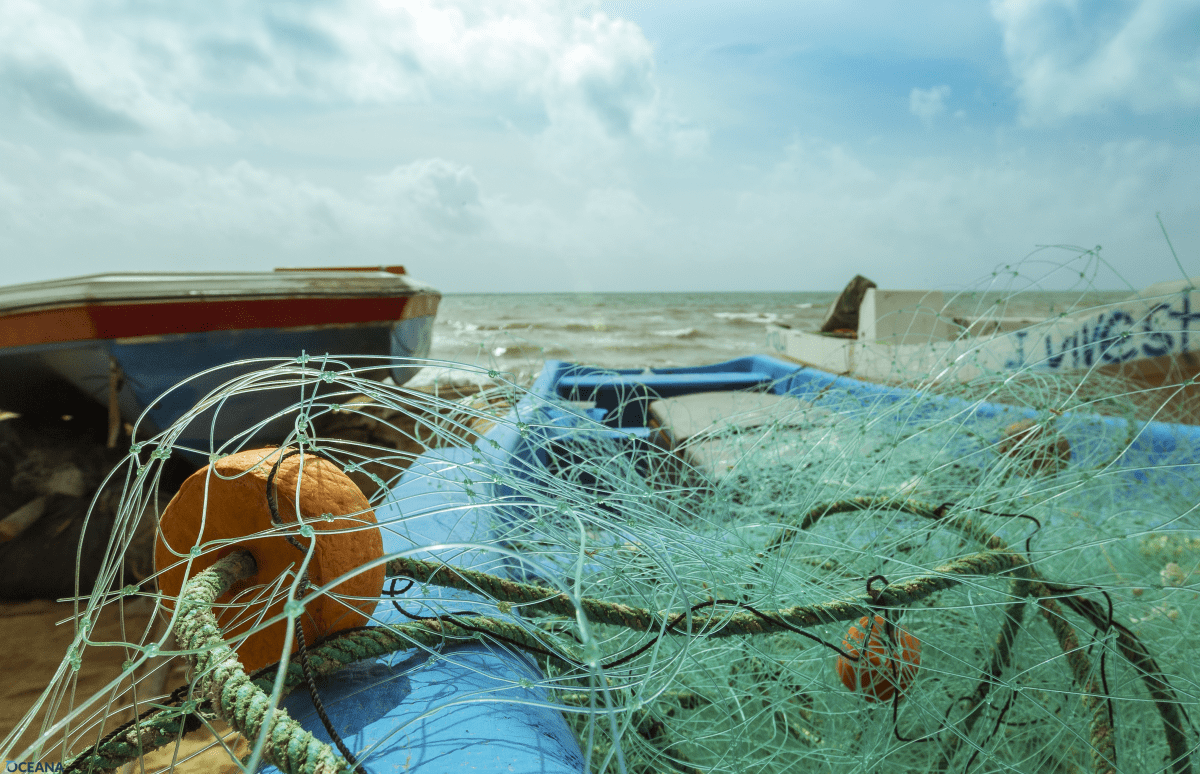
column 686, row 601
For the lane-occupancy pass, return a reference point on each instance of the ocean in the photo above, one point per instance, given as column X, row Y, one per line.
column 516, row 333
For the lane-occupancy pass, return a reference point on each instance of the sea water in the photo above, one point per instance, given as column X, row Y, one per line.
column 516, row 333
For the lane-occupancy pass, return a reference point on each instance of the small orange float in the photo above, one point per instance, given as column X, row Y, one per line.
column 886, row 664
column 236, row 495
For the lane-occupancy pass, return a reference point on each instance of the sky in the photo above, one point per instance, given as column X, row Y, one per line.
column 543, row 145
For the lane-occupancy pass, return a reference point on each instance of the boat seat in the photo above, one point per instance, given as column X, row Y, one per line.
column 712, row 431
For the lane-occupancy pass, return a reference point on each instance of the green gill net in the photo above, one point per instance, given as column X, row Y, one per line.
column 688, row 596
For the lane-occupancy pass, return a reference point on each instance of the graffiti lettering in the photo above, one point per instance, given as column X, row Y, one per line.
column 1160, row 342
column 1108, row 339
column 1185, row 317
column 1069, row 344
column 1013, row 363
column 1084, row 351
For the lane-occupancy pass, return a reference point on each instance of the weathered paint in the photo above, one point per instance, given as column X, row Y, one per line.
column 1110, row 337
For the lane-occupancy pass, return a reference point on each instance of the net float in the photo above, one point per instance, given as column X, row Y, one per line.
column 224, row 507
column 1035, row 446
column 884, row 665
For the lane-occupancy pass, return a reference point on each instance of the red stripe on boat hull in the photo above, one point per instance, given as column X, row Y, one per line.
column 159, row 318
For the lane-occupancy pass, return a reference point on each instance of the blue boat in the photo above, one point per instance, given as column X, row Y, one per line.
column 480, row 707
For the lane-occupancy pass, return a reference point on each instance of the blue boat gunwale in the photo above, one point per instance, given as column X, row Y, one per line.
column 785, row 378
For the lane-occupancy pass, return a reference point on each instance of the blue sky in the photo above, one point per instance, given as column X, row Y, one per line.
column 532, row 145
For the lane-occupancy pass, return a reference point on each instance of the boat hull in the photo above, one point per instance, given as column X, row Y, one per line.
column 149, row 347
column 162, row 378
column 167, row 379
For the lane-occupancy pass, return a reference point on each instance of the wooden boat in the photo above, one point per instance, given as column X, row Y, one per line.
column 123, row 340
column 906, row 336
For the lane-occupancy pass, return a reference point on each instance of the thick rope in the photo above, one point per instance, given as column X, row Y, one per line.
column 544, row 600
column 223, row 681
column 155, row 728
column 1102, row 741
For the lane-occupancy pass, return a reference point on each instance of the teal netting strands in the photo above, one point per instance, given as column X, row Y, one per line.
column 243, row 702
column 1102, row 742
column 1002, row 651
column 913, row 507
column 1029, row 581
column 234, row 696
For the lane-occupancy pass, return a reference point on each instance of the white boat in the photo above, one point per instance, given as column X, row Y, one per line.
column 908, row 335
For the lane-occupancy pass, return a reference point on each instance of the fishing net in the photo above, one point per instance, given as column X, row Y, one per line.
column 995, row 574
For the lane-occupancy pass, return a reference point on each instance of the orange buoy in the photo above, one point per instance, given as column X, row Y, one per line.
column 230, row 501
column 883, row 665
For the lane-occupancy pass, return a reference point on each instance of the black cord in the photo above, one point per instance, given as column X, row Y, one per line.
column 941, row 511
column 273, row 494
column 999, row 719
column 302, row 653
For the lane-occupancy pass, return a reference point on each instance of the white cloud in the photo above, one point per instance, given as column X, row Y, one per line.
column 489, row 144
column 1083, row 57
column 126, row 67
column 447, row 196
column 936, row 221
column 928, row 104
column 89, row 77
column 149, row 212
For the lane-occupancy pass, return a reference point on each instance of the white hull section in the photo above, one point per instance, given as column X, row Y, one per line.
column 904, row 336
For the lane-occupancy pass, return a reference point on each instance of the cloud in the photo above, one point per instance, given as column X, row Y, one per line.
column 85, row 75
column 937, row 221
column 607, row 70
column 306, row 39
column 823, row 211
column 53, row 93
column 446, row 195
column 127, row 66
column 928, row 104
column 491, row 143
column 1085, row 57
column 148, row 212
